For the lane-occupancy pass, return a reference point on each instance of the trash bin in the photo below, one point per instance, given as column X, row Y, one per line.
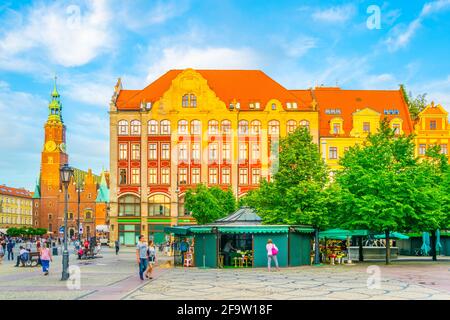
column 55, row 251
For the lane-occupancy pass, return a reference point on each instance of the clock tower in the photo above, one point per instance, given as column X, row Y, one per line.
column 54, row 152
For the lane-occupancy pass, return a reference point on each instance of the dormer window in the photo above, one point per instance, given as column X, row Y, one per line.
column 257, row 105
column 274, row 106
column 336, row 128
column 294, row 105
column 433, row 125
column 252, row 106
column 289, row 105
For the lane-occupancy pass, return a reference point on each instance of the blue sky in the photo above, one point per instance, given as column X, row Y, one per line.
column 89, row 44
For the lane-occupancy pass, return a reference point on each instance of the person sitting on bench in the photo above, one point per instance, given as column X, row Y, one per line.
column 22, row 257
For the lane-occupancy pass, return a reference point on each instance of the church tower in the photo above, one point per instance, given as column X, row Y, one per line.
column 54, row 153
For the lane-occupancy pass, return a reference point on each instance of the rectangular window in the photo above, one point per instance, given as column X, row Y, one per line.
column 195, row 152
column 152, row 151
column 122, row 176
column 135, row 176
column 213, row 152
column 444, row 149
column 226, row 152
column 422, row 149
column 135, row 151
column 165, row 176
column 336, row 128
column 165, row 151
column 123, row 151
column 366, row 126
column 255, row 152
column 152, row 176
column 182, row 176
column 243, row 152
column 225, row 175
column 212, row 175
column 182, row 152
column 332, row 153
column 433, row 125
column 195, row 176
column 243, row 176
column 256, row 175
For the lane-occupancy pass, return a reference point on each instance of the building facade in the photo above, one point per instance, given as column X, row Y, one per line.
column 222, row 128
column 16, row 206
column 85, row 200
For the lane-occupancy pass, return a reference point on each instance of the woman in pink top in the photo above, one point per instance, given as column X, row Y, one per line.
column 46, row 257
column 272, row 252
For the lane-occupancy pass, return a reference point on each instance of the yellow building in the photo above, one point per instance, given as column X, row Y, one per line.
column 348, row 116
column 431, row 129
column 15, row 208
column 217, row 127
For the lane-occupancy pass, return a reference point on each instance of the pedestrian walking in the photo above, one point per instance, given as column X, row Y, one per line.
column 10, row 248
column 142, row 256
column 272, row 252
column 151, row 259
column 46, row 257
column 117, row 245
column 2, row 253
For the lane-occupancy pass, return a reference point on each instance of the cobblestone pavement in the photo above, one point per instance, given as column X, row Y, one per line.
column 115, row 277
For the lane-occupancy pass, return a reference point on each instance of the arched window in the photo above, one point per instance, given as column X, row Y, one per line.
column 291, row 126
column 88, row 215
column 304, row 124
column 159, row 205
column 243, row 127
column 153, row 127
column 185, row 101
column 135, row 127
column 196, row 127
column 255, row 127
column 165, row 127
column 274, row 127
column 226, row 126
column 129, row 205
column 213, row 127
column 182, row 127
column 123, row 127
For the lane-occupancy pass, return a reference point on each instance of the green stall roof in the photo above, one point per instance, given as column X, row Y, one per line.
column 177, row 230
column 254, row 229
column 304, row 229
column 392, row 235
column 201, row 229
column 341, row 233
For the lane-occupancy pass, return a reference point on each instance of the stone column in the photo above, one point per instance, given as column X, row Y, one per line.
column 144, row 173
column 174, row 170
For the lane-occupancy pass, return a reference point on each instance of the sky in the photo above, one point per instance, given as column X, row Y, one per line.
column 301, row 44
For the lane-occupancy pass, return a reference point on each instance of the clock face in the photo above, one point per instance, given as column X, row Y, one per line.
column 62, row 147
column 50, row 146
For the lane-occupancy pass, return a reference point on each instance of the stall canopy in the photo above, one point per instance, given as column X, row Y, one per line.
column 342, row 234
column 182, row 231
column 244, row 216
column 392, row 235
column 102, row 228
column 254, row 229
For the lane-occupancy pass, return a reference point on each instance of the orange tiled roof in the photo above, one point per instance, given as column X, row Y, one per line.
column 246, row 86
column 15, row 192
column 350, row 101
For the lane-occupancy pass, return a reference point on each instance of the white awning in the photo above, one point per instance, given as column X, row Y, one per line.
column 102, row 228
column 3, row 230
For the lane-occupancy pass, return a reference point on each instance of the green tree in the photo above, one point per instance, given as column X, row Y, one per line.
column 298, row 193
column 376, row 186
column 415, row 104
column 208, row 205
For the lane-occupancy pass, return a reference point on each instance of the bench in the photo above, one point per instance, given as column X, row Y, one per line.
column 90, row 253
column 33, row 260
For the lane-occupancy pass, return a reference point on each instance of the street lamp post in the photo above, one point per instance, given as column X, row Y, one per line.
column 79, row 190
column 66, row 174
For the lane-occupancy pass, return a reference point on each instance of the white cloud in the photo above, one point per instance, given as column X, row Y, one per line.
column 338, row 14
column 437, row 91
column 299, row 46
column 401, row 35
column 180, row 57
column 150, row 13
column 67, row 35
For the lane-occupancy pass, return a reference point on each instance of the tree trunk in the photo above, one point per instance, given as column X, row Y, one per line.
column 317, row 247
column 433, row 245
column 361, row 255
column 388, row 247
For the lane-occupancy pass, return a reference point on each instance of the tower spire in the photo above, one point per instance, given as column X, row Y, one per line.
column 55, row 106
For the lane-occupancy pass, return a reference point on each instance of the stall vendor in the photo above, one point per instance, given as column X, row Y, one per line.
column 226, row 252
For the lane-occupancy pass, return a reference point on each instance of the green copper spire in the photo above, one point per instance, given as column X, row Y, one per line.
column 103, row 191
column 55, row 106
column 37, row 190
